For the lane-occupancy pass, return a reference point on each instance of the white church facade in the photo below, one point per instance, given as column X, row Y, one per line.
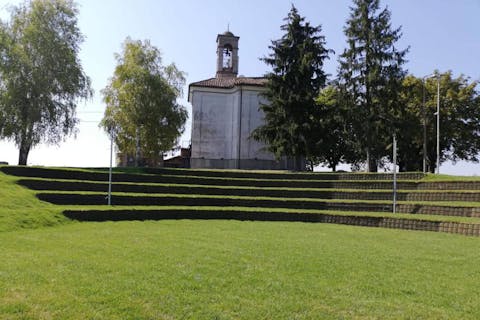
column 226, row 109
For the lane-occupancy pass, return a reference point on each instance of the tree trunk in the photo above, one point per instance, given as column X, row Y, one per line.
column 23, row 152
column 432, row 162
column 296, row 163
column 310, row 165
column 372, row 165
column 333, row 166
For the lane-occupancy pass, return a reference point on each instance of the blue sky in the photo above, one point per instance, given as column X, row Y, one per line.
column 442, row 34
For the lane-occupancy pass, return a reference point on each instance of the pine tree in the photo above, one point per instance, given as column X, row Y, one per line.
column 293, row 84
column 370, row 74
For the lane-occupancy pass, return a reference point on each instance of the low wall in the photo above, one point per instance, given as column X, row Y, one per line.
column 382, row 222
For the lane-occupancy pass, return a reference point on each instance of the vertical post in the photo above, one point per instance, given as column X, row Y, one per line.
column 110, row 170
column 438, row 124
column 424, row 131
column 137, row 147
column 394, row 173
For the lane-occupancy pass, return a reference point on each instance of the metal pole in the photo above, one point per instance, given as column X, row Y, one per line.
column 110, row 171
column 424, row 131
column 394, row 173
column 137, row 147
column 426, row 162
column 438, row 124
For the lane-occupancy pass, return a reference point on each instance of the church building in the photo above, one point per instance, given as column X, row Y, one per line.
column 225, row 112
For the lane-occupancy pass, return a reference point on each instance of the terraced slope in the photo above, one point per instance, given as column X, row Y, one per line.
column 347, row 198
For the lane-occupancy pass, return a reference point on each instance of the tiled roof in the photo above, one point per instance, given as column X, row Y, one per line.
column 228, row 83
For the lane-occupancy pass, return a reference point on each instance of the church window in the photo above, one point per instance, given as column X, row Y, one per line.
column 227, row 57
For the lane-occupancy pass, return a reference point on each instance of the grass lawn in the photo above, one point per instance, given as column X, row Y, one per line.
column 187, row 269
column 236, row 270
column 19, row 208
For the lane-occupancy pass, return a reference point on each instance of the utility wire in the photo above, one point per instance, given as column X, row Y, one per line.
column 87, row 112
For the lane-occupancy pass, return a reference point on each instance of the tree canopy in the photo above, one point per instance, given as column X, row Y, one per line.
column 331, row 142
column 41, row 77
column 293, row 85
column 370, row 75
column 459, row 121
column 142, row 110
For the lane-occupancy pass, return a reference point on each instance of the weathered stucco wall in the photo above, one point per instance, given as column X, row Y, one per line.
column 223, row 120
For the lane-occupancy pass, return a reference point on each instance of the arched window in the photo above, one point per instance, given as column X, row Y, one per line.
column 227, row 57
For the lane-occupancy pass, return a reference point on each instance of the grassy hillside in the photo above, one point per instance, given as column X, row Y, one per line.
column 19, row 208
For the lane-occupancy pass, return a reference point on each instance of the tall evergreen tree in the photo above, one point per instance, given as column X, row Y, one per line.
column 293, row 84
column 370, row 74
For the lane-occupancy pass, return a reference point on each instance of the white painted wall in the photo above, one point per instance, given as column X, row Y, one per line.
column 252, row 118
column 223, row 120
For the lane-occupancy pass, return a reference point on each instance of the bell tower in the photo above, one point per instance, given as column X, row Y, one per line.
column 227, row 55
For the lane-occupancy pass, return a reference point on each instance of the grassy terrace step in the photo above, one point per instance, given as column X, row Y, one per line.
column 389, row 214
column 248, row 174
column 244, row 191
column 66, row 174
column 74, row 185
column 458, row 209
column 51, row 184
column 287, row 179
column 198, row 200
column 229, row 192
column 444, row 210
column 101, row 176
column 449, row 185
column 472, row 229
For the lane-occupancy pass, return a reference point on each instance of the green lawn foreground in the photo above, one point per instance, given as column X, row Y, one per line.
column 236, row 270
